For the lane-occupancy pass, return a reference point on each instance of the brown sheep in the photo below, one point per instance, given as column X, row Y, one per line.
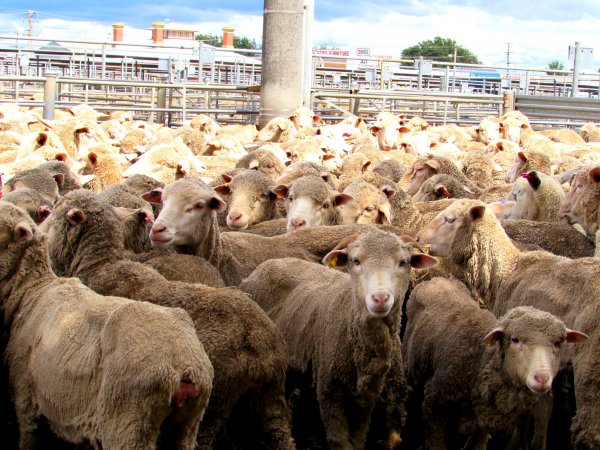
column 342, row 330
column 369, row 204
column 472, row 238
column 243, row 345
column 106, row 370
column 471, row 391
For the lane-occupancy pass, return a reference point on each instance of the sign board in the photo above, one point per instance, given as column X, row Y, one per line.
column 586, row 56
column 495, row 75
column 331, row 52
column 207, row 55
column 363, row 51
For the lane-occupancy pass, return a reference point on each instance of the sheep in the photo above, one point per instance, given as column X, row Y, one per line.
column 537, row 197
column 426, row 166
column 563, row 135
column 527, row 161
column 263, row 160
column 368, row 204
column 590, row 132
column 304, row 118
column 389, row 169
column 36, row 204
column 488, row 130
column 243, row 345
column 470, row 236
column 234, row 253
column 471, row 391
column 193, row 138
column 43, row 181
column 342, row 329
column 250, row 198
column 278, row 129
column 388, row 133
column 440, row 186
column 205, row 124
column 301, row 168
column 106, row 370
column 34, row 140
column 531, row 140
column 135, row 141
column 580, row 204
column 104, row 169
column 310, row 202
column 224, row 145
column 166, row 162
column 479, row 168
column 245, row 134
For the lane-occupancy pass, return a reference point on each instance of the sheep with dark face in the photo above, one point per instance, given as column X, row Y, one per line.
column 469, row 391
column 342, row 329
column 106, row 371
column 245, row 348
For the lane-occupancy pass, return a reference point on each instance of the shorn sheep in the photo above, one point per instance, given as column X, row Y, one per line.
column 103, row 370
column 469, row 234
column 471, row 391
column 244, row 347
column 342, row 329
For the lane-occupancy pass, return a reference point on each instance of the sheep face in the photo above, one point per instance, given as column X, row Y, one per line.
column 379, row 266
column 458, row 219
column 522, row 195
column 250, row 199
column 532, row 341
column 186, row 203
column 309, row 202
column 369, row 205
column 387, row 134
column 580, row 204
column 421, row 171
column 510, row 128
column 488, row 130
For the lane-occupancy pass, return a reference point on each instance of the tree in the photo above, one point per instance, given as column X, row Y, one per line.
column 555, row 65
column 440, row 49
column 238, row 41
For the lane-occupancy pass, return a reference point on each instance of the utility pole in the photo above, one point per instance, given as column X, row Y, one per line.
column 575, row 89
column 30, row 14
column 508, row 79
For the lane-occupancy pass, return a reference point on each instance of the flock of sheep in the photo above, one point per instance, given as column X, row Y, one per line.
column 353, row 285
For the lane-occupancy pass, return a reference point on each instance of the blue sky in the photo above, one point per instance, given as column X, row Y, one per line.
column 538, row 32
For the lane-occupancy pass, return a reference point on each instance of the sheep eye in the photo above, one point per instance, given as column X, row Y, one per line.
column 290, row 198
column 326, row 205
column 355, row 261
column 514, row 339
column 558, row 343
column 370, row 208
column 450, row 219
column 404, row 262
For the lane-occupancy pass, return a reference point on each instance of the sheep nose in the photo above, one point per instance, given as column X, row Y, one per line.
column 298, row 223
column 380, row 299
column 542, row 378
column 157, row 228
column 235, row 216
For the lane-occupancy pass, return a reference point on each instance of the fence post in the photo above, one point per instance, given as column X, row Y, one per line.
column 50, row 95
column 508, row 101
column 161, row 102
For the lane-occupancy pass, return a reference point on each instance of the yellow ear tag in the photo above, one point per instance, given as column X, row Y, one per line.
column 333, row 262
column 226, row 184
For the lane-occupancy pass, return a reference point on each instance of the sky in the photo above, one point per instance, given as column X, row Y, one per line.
column 527, row 34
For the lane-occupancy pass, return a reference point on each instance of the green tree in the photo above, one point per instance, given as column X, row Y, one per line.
column 555, row 65
column 238, row 41
column 440, row 49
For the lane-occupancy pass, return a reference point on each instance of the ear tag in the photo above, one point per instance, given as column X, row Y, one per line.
column 333, row 262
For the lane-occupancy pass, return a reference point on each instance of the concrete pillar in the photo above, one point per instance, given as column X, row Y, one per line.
column 158, row 32
column 575, row 89
column 49, row 96
column 228, row 37
column 281, row 84
column 307, row 76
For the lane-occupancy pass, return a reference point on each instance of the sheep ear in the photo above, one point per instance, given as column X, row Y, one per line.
column 365, row 166
column 341, row 199
column 223, row 189
column 75, row 216
column 384, row 215
column 522, row 157
column 316, row 118
column 153, row 196
column 595, row 174
column 404, row 130
column 434, row 164
column 422, row 261
column 59, row 178
column 254, row 164
column 44, row 211
column 476, row 213
column 388, row 191
column 93, row 159
column 501, row 208
column 336, row 258
column 375, row 129
column 534, row 180
column 494, row 336
column 123, row 213
column 22, row 232
column 442, row 190
column 183, row 170
column 573, row 337
column 61, row 157
column 217, row 204
column 226, row 178
column 281, row 191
